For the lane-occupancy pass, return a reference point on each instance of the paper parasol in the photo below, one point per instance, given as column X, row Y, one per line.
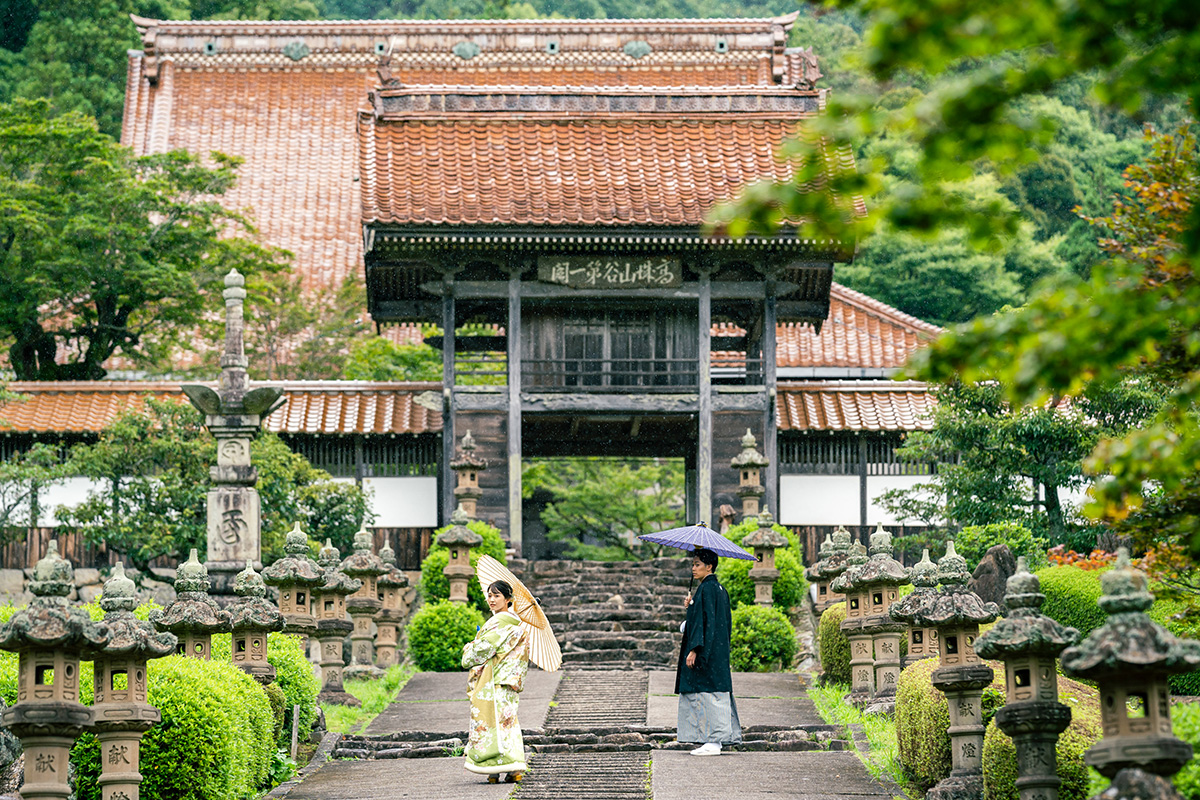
column 543, row 647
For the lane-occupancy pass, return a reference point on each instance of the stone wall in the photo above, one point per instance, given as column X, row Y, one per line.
column 157, row 585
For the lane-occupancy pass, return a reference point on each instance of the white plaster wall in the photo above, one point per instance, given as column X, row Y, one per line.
column 70, row 493
column 403, row 502
column 833, row 499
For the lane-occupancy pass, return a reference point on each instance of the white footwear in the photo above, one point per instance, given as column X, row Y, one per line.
column 710, row 749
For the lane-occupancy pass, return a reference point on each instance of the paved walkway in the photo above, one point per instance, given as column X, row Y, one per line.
column 432, row 704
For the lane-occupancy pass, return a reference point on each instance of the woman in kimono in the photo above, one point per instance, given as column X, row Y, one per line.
column 498, row 660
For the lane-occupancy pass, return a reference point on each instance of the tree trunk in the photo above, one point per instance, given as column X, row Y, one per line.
column 1054, row 514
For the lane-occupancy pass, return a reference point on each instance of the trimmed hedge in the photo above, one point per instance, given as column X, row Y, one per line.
column 1185, row 721
column 973, row 542
column 434, row 586
column 762, row 640
column 1180, row 618
column 1071, row 595
column 922, row 719
column 293, row 673
column 1000, row 754
column 834, row 646
column 437, row 633
column 789, row 589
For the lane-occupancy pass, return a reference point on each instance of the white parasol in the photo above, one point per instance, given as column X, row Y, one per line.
column 543, row 647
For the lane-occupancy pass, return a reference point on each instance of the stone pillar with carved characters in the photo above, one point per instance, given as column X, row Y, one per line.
column 862, row 654
column 393, row 610
column 122, row 707
column 363, row 605
column 329, row 605
column 879, row 582
column 50, row 637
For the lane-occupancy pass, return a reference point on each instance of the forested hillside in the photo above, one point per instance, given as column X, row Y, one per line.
column 73, row 52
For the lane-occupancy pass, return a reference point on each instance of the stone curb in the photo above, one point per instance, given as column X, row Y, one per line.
column 320, row 758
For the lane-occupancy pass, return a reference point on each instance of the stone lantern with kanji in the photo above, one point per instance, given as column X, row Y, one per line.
column 363, row 605
column 1028, row 642
column 1130, row 658
column 764, row 540
column 922, row 642
column 466, row 473
column 834, row 558
column 957, row 613
column 50, row 637
column 192, row 616
column 393, row 611
column 459, row 539
column 251, row 618
column 329, row 603
column 879, row 582
column 122, row 706
column 862, row 658
column 296, row 575
column 749, row 465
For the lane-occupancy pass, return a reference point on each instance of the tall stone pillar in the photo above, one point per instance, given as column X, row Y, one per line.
column 50, row 637
column 233, row 414
column 862, row 654
column 879, row 583
column 363, row 605
column 764, row 542
column 192, row 616
column 122, row 706
column 329, row 605
column 1029, row 643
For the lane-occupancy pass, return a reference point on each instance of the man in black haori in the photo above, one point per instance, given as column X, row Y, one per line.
column 707, row 711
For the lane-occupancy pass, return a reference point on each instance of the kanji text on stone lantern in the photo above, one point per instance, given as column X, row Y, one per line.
column 393, row 610
column 922, row 642
column 50, row 637
column 363, row 605
column 296, row 575
column 1130, row 658
column 466, row 474
column 233, row 414
column 764, row 573
column 1028, row 642
column 750, row 463
column 957, row 613
column 192, row 616
column 862, row 657
column 251, row 618
column 834, row 554
column 879, row 582
column 459, row 539
column 333, row 624
column 122, row 705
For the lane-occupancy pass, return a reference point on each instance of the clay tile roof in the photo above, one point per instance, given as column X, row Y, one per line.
column 855, row 406
column 335, row 407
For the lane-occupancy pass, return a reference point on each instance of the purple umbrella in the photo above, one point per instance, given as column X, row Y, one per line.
column 693, row 536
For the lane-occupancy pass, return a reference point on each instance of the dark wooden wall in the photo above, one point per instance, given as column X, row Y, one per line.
column 489, row 429
column 410, row 544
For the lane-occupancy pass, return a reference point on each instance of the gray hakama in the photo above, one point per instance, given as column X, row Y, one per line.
column 709, row 717
column 707, row 709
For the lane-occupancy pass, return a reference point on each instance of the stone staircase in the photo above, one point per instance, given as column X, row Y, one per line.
column 612, row 615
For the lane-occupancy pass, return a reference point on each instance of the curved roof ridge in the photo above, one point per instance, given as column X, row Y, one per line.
column 870, row 304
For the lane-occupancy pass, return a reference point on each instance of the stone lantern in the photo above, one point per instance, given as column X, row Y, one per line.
column 363, row 605
column 251, row 618
column 192, row 616
column 393, row 610
column 862, row 658
column 466, row 474
column 922, row 642
column 764, row 541
column 123, row 711
column 749, row 464
column 957, row 613
column 459, row 539
column 296, row 575
column 834, row 554
column 49, row 638
column 1028, row 642
column 879, row 582
column 329, row 603
column 1130, row 657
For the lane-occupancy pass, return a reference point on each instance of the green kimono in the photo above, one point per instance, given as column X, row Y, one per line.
column 498, row 660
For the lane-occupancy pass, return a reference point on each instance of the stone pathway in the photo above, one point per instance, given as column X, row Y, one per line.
column 586, row 776
column 599, row 698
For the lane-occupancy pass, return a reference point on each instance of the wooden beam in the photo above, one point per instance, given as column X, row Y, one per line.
column 802, row 310
column 447, row 474
column 862, row 481
column 705, row 418
column 533, row 290
column 406, row 310
column 513, row 332
column 616, row 403
column 770, row 432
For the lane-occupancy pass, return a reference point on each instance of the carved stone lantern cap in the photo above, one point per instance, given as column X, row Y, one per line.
column 336, row 581
column 466, row 456
column 387, row 555
column 393, row 578
column 192, row 576
column 363, row 562
column 120, row 594
column 841, row 539
column 50, row 622
column 1025, row 631
column 1129, row 642
column 749, row 458
column 296, row 568
column 826, row 548
column 838, row 559
column 192, row 609
column 955, row 604
column 765, row 534
column 458, row 534
column 881, row 568
column 249, row 583
column 952, row 568
column 53, row 575
column 848, row 580
column 128, row 634
column 253, row 610
column 924, row 574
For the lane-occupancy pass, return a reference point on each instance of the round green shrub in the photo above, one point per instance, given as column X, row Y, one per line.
column 1185, row 722
column 437, row 633
column 434, row 585
column 834, row 646
column 278, row 701
column 293, row 673
column 1071, row 595
column 789, row 588
column 922, row 720
column 1181, row 619
column 1000, row 754
column 762, row 640
column 973, row 542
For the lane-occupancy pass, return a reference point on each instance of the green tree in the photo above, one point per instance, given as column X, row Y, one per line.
column 101, row 253
column 21, row 478
column 377, row 359
column 152, row 467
